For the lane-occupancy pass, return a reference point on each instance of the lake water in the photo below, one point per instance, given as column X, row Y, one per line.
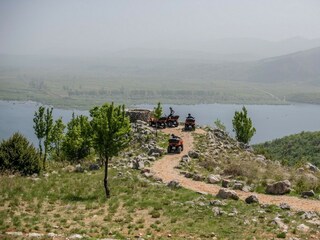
column 271, row 121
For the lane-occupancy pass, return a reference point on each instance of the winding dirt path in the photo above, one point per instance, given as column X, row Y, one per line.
column 165, row 169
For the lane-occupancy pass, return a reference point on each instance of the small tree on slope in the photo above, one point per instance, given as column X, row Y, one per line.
column 242, row 125
column 111, row 128
column 157, row 112
column 43, row 123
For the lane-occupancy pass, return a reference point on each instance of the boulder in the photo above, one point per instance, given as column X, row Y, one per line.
column 308, row 194
column 69, row 168
column 35, row 235
column 194, row 154
column 189, row 175
column 238, row 185
column 252, row 199
column 277, row 221
column 217, row 211
column 94, row 167
column 198, row 177
column 303, row 228
column 225, row 194
column 309, row 215
column 284, row 206
column 75, row 236
column 216, row 203
column 214, row 179
column 279, row 188
column 311, row 167
column 225, row 183
column 247, row 188
column 79, row 169
column 151, row 158
column 185, row 159
column 173, row 184
column 156, row 149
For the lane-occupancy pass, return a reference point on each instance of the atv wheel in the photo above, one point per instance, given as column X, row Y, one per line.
column 179, row 150
column 181, row 147
column 169, row 124
column 169, row 149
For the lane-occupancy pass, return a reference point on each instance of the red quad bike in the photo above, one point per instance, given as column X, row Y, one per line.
column 190, row 124
column 172, row 121
column 161, row 122
column 175, row 145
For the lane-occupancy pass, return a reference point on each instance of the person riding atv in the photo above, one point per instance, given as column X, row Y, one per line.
column 172, row 120
column 175, row 144
column 190, row 123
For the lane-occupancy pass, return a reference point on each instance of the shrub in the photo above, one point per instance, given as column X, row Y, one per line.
column 18, row 155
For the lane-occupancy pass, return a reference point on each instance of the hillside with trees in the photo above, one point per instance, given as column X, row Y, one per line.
column 293, row 149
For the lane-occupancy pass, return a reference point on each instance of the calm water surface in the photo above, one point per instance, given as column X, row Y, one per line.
column 270, row 121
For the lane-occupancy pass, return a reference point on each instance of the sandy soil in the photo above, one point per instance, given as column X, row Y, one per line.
column 165, row 169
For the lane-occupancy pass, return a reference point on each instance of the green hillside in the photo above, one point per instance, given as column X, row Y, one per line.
column 293, row 149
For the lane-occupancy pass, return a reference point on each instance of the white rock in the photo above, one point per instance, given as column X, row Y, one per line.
column 35, row 235
column 303, row 228
column 76, row 236
column 15, row 233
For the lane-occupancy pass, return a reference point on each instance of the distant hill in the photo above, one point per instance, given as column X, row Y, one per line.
column 302, row 66
column 293, row 149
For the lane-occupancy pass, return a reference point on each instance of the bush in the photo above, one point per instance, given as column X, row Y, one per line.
column 18, row 155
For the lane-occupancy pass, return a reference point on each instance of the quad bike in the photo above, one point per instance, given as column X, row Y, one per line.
column 190, row 124
column 175, row 145
column 161, row 122
column 172, row 121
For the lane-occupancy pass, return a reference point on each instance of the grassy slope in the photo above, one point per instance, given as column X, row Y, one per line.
column 294, row 149
column 67, row 203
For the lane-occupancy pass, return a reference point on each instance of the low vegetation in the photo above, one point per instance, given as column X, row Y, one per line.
column 293, row 150
column 67, row 203
column 223, row 156
column 17, row 155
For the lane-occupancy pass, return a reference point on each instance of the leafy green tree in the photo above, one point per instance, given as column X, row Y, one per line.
column 111, row 134
column 57, row 136
column 39, row 127
column 18, row 155
column 242, row 125
column 77, row 141
column 43, row 123
column 157, row 113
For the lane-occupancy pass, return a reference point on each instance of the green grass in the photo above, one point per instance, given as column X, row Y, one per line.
column 75, row 202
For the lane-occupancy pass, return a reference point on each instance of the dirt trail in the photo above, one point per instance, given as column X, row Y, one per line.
column 165, row 169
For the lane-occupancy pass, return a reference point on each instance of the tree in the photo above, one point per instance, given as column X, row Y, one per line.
column 57, row 135
column 43, row 123
column 111, row 134
column 157, row 113
column 77, row 141
column 242, row 125
column 18, row 155
column 39, row 127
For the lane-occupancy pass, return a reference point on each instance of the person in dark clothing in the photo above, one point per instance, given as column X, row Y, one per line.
column 171, row 112
column 189, row 116
column 174, row 136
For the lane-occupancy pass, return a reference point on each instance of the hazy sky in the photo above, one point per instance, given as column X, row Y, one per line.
column 93, row 26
